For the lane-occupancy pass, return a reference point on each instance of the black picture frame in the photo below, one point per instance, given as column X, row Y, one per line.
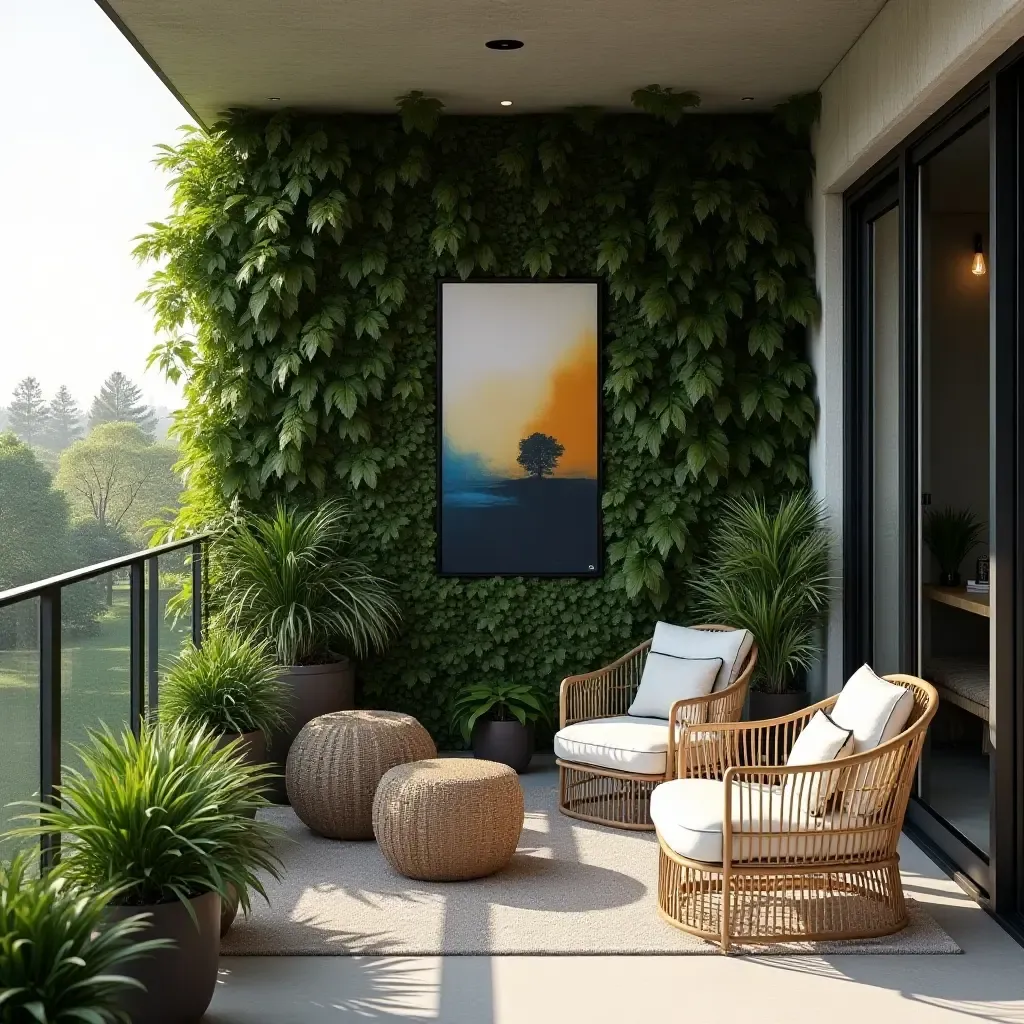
column 597, row 572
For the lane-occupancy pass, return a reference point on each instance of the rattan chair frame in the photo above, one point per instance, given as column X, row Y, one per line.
column 620, row 799
column 804, row 877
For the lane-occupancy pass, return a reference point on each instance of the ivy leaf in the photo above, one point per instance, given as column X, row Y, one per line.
column 370, row 322
column 666, row 104
column 765, row 338
column 420, row 113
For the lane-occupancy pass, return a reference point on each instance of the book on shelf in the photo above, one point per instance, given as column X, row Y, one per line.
column 974, row 587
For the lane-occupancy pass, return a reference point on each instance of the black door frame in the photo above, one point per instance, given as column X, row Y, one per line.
column 997, row 880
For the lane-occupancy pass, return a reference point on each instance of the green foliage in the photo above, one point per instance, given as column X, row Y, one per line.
column 500, row 701
column 767, row 570
column 951, row 534
column 59, row 955
column 28, row 411
column 229, row 685
column 166, row 815
column 304, row 253
column 290, row 580
column 120, row 401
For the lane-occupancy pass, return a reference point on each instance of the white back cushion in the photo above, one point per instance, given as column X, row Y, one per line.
column 668, row 678
column 732, row 646
column 821, row 740
column 873, row 708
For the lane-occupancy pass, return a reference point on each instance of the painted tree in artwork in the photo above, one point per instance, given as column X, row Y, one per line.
column 28, row 411
column 120, row 401
column 539, row 454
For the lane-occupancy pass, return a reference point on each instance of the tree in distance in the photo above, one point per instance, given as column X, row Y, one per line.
column 28, row 412
column 539, row 454
column 64, row 423
column 120, row 401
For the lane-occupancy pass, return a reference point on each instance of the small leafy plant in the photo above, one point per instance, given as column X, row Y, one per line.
column 229, row 685
column 950, row 535
column 501, row 702
column 164, row 815
column 289, row 578
column 59, row 954
column 768, row 570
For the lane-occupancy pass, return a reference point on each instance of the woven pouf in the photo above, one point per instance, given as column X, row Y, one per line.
column 449, row 818
column 337, row 760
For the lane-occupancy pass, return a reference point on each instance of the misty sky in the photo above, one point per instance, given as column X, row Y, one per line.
column 82, row 115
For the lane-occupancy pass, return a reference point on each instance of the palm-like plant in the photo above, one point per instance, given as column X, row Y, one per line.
column 229, row 685
column 59, row 953
column 161, row 816
column 950, row 534
column 289, row 578
column 768, row 570
column 499, row 700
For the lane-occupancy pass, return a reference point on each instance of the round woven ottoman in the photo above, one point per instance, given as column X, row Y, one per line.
column 337, row 760
column 449, row 818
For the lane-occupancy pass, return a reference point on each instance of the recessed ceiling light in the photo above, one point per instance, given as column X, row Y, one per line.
column 274, row 99
column 504, row 44
column 747, row 99
column 506, row 103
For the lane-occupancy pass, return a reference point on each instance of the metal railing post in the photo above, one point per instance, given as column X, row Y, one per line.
column 49, row 714
column 137, row 642
column 198, row 604
column 153, row 645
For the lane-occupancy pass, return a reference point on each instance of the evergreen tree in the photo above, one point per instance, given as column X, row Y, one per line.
column 120, row 401
column 28, row 412
column 65, row 420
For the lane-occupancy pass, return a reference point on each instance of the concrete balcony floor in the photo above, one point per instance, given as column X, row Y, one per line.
column 984, row 984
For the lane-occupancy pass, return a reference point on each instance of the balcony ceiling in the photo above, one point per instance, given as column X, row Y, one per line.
column 360, row 54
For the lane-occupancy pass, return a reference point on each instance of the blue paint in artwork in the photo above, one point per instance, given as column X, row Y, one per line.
column 466, row 481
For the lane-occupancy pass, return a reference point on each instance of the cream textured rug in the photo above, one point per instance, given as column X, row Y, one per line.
column 572, row 888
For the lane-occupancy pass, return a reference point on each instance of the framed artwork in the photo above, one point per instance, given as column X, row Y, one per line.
column 519, row 411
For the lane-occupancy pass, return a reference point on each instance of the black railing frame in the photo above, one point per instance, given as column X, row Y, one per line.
column 144, row 633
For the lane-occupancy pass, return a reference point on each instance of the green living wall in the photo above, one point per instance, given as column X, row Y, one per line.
column 304, row 252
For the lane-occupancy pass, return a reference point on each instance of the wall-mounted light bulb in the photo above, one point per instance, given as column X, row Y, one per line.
column 978, row 267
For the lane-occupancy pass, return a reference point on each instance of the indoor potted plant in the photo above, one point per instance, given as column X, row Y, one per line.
column 163, row 818
column 950, row 535
column 497, row 720
column 768, row 570
column 289, row 578
column 60, row 959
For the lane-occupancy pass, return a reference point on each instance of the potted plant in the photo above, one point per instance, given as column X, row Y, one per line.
column 497, row 720
column 230, row 686
column 768, row 570
column 60, row 959
column 164, row 818
column 289, row 578
column 950, row 536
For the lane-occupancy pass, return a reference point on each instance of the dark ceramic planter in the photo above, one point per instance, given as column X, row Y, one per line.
column 774, row 705
column 313, row 690
column 505, row 742
column 179, row 981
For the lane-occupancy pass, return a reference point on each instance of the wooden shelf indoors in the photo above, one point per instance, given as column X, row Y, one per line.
column 957, row 597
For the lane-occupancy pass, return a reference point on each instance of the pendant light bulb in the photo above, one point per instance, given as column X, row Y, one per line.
column 978, row 267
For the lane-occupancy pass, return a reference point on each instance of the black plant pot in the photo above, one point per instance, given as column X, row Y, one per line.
column 313, row 690
column 775, row 705
column 949, row 579
column 505, row 742
column 179, row 981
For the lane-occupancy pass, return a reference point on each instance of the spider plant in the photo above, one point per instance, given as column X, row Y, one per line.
column 290, row 578
column 950, row 535
column 59, row 954
column 500, row 702
column 229, row 685
column 767, row 570
column 161, row 816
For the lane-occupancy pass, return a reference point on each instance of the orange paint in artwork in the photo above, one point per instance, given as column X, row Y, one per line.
column 569, row 413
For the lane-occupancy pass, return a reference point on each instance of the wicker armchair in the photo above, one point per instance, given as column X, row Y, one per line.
column 621, row 799
column 782, row 872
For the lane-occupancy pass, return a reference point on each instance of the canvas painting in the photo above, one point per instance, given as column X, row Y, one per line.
column 520, row 415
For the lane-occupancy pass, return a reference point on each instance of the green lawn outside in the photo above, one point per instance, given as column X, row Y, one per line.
column 94, row 689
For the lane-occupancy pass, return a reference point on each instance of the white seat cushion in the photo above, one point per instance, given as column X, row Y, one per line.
column 732, row 646
column 667, row 679
column 638, row 746
column 688, row 815
column 873, row 708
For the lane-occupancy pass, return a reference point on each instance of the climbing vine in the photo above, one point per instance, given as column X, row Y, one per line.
column 297, row 290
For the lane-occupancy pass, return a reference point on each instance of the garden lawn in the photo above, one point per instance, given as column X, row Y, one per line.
column 94, row 689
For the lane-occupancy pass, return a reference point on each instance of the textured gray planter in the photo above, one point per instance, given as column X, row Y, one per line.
column 179, row 981
column 313, row 690
column 505, row 742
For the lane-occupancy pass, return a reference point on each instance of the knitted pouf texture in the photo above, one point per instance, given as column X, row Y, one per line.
column 448, row 819
column 337, row 760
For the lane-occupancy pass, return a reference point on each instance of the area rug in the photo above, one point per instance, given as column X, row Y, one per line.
column 572, row 888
